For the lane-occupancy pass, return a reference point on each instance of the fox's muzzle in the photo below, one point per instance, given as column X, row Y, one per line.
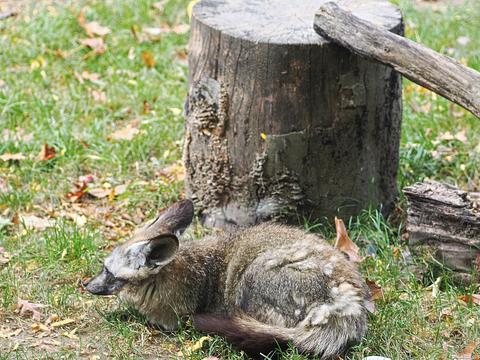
column 104, row 283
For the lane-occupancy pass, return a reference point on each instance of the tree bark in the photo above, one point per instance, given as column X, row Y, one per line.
column 282, row 123
column 441, row 74
column 444, row 222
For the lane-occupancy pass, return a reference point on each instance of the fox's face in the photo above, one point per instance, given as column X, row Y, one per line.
column 151, row 248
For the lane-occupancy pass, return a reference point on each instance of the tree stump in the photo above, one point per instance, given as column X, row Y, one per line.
column 283, row 123
column 444, row 223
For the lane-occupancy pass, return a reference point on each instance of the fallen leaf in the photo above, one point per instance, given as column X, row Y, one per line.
column 46, row 153
column 39, row 327
column 376, row 291
column 173, row 172
column 344, row 243
column 195, row 347
column 473, row 299
column 175, row 111
column 62, row 323
column 190, row 6
column 101, row 193
column 71, row 334
column 7, row 333
column 146, row 107
column 148, row 59
column 93, row 77
column 93, row 28
column 467, row 353
column 28, row 309
column 96, row 44
column 126, row 133
column 35, row 222
column 98, row 96
column 12, row 157
column 182, row 56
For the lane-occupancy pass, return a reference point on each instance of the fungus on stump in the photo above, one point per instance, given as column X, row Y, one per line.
column 283, row 123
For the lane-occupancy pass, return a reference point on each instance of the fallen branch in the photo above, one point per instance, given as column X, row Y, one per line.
column 441, row 74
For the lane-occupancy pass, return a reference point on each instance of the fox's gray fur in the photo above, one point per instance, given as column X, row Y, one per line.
column 269, row 284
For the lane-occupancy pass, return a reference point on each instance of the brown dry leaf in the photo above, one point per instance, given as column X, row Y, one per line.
column 12, row 157
column 344, row 243
column 39, row 327
column 46, row 153
column 467, row 353
column 173, row 172
column 28, row 309
column 473, row 299
column 35, row 222
column 148, row 59
column 96, row 44
column 146, row 107
column 93, row 28
column 375, row 290
column 126, row 133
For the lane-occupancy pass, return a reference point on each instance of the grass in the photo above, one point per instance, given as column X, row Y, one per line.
column 42, row 101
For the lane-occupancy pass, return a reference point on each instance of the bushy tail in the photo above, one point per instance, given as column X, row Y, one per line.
column 253, row 337
column 244, row 332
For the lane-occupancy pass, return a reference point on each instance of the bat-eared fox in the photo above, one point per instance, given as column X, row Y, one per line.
column 261, row 287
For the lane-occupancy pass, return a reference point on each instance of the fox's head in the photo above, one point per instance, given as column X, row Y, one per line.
column 150, row 248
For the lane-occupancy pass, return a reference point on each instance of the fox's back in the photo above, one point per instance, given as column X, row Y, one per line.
column 283, row 276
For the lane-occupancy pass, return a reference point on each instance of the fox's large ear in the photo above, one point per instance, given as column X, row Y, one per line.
column 177, row 217
column 173, row 220
column 152, row 253
column 160, row 251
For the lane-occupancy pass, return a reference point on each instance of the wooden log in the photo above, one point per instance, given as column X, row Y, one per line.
column 439, row 73
column 280, row 122
column 444, row 222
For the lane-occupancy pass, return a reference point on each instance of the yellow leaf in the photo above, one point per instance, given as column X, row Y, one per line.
column 62, row 323
column 263, row 136
column 197, row 346
column 190, row 6
column 175, row 111
column 148, row 59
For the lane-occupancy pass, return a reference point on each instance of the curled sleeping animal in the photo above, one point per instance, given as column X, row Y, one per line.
column 261, row 287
